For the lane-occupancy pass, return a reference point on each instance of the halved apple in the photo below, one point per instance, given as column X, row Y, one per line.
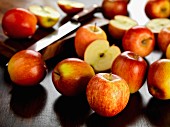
column 100, row 55
column 47, row 16
column 155, row 25
column 70, row 7
column 119, row 25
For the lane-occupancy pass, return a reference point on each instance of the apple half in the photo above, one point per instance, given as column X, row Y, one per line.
column 47, row 16
column 70, row 7
column 100, row 55
column 119, row 25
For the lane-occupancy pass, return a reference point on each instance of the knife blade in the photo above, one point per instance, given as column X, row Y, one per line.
column 76, row 21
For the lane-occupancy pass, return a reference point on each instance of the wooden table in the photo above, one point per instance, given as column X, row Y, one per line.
column 43, row 106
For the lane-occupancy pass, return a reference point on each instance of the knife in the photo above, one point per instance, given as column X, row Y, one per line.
column 76, row 21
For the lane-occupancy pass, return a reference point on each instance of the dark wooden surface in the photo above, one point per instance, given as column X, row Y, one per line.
column 43, row 106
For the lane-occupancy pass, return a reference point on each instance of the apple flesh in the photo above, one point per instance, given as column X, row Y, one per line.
column 27, row 68
column 140, row 40
column 107, row 94
column 71, row 76
column 158, row 79
column 85, row 35
column 47, row 16
column 70, row 7
column 132, row 68
column 119, row 25
column 100, row 55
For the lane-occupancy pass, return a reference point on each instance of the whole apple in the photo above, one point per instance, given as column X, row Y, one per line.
column 107, row 94
column 140, row 40
column 132, row 68
column 85, row 35
column 157, row 9
column 111, row 8
column 27, row 68
column 164, row 38
column 71, row 76
column 158, row 79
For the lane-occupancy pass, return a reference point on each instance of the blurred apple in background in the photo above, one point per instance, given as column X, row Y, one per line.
column 27, row 68
column 71, row 76
column 107, row 94
column 70, row 7
column 140, row 40
column 158, row 79
column 100, row 55
column 110, row 8
column 132, row 68
column 85, row 35
column 47, row 16
column 164, row 38
column 119, row 25
column 157, row 9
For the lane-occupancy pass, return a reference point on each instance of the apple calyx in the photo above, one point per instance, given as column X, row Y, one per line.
column 144, row 41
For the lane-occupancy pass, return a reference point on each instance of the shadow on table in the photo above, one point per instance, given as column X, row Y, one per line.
column 28, row 102
column 129, row 115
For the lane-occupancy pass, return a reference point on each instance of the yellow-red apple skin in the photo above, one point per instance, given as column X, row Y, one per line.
column 27, row 68
column 71, row 76
column 107, row 97
column 157, row 9
column 140, row 40
column 85, row 35
column 158, row 79
column 164, row 38
column 132, row 68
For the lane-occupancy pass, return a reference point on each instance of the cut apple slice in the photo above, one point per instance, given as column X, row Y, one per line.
column 119, row 25
column 156, row 25
column 100, row 55
column 70, row 7
column 47, row 16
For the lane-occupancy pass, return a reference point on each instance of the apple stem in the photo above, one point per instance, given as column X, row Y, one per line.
column 95, row 27
column 145, row 40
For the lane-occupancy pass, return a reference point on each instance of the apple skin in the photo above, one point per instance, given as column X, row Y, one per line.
column 110, row 8
column 71, row 76
column 140, row 40
column 158, row 79
column 135, row 67
column 163, row 39
column 107, row 94
column 85, row 35
column 157, row 9
column 27, row 68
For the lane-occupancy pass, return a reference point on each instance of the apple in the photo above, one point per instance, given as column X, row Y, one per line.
column 110, row 8
column 119, row 25
column 167, row 53
column 157, row 9
column 71, row 76
column 19, row 23
column 164, row 38
column 156, row 25
column 27, row 68
column 107, row 94
column 100, row 55
column 47, row 16
column 132, row 68
column 85, row 35
column 140, row 40
column 70, row 7
column 158, row 79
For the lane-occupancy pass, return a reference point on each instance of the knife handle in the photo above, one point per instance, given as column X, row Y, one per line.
column 86, row 14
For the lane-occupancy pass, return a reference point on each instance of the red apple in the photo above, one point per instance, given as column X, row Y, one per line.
column 135, row 67
column 157, row 9
column 107, row 94
column 71, row 76
column 158, row 79
column 164, row 38
column 110, row 8
column 27, row 68
column 140, row 40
